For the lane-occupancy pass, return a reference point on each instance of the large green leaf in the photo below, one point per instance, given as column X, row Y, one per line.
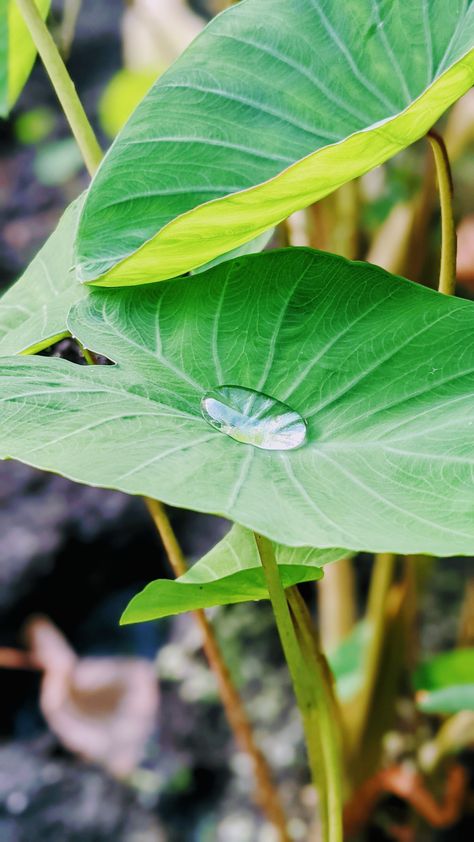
column 17, row 51
column 231, row 572
column 380, row 369
column 34, row 310
column 274, row 105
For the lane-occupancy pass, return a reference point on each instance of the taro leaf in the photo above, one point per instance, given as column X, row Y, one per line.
column 276, row 104
column 445, row 683
column 17, row 51
column 382, row 371
column 33, row 311
column 251, row 247
column 231, row 572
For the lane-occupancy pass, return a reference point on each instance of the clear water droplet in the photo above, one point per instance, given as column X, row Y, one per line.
column 253, row 418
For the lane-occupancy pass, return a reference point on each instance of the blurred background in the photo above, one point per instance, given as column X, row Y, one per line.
column 135, row 747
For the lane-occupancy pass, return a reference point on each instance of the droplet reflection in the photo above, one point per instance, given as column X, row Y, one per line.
column 253, row 418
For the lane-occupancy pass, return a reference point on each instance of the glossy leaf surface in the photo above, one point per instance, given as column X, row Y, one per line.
column 380, row 369
column 17, row 52
column 231, row 572
column 276, row 104
column 33, row 312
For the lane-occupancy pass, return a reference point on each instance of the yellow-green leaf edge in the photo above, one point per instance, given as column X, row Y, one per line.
column 226, row 223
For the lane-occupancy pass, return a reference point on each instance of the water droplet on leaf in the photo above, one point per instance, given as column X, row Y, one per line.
column 253, row 418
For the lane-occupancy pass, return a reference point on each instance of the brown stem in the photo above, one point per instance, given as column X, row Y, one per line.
column 266, row 794
column 411, row 787
column 336, row 603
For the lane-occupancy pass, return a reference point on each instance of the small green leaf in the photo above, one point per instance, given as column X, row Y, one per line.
column 34, row 310
column 231, row 572
column 276, row 104
column 17, row 52
column 456, row 667
column 445, row 683
column 347, row 661
column 380, row 370
column 447, row 700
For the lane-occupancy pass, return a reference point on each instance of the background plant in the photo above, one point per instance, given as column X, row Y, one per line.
column 383, row 377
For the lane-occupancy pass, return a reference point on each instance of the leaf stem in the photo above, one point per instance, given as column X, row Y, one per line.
column 376, row 616
column 298, row 647
column 266, row 794
column 447, row 275
column 63, row 85
column 328, row 713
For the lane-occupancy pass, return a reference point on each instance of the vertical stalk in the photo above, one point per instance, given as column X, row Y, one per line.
column 308, row 685
column 376, row 615
column 63, row 85
column 266, row 794
column 328, row 713
column 336, row 603
column 447, row 275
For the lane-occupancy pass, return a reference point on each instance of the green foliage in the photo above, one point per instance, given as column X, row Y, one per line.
column 17, row 52
column 445, row 683
column 380, row 369
column 274, row 106
column 33, row 311
column 230, row 573
column 347, row 661
column 121, row 96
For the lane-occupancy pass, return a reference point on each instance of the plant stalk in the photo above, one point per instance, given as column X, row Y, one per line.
column 63, row 85
column 336, row 603
column 376, row 616
column 266, row 794
column 308, row 685
column 447, row 275
column 328, row 712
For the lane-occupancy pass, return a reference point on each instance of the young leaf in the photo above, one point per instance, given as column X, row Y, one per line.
column 231, row 572
column 34, row 310
column 17, row 52
column 366, row 440
column 276, row 104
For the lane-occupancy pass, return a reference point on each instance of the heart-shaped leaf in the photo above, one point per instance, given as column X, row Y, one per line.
column 231, row 572
column 34, row 310
column 366, row 440
column 276, row 104
column 17, row 51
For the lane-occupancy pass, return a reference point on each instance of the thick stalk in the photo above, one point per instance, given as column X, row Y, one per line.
column 447, row 275
column 336, row 603
column 63, row 85
column 307, row 684
column 328, row 713
column 266, row 794
column 376, row 615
